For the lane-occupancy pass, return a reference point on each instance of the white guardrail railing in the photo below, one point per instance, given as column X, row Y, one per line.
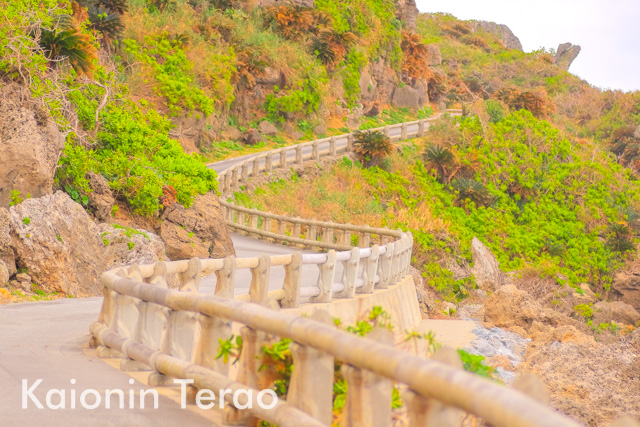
column 178, row 333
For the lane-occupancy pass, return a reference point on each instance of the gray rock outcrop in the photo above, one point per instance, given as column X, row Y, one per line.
column 199, row 231
column 101, row 198
column 636, row 134
column 267, row 128
column 406, row 97
column 407, row 11
column 30, row 146
column 486, row 268
column 501, row 31
column 7, row 259
column 566, row 54
column 58, row 244
column 125, row 246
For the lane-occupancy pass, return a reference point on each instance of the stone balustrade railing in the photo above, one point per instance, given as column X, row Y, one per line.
column 178, row 334
column 307, row 233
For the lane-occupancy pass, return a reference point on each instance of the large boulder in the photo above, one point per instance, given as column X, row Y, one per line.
column 30, row 146
column 616, row 311
column 486, row 268
column 7, row 259
column 101, row 198
column 199, row 231
column 626, row 287
column 566, row 54
column 406, row 97
column 509, row 307
column 266, row 128
column 502, row 31
column 58, row 244
column 124, row 245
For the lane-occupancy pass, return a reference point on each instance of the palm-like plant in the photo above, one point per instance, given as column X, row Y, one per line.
column 109, row 24
column 114, row 6
column 415, row 56
column 441, row 160
column 66, row 41
column 371, row 147
column 291, row 22
column 620, row 238
column 330, row 46
column 472, row 190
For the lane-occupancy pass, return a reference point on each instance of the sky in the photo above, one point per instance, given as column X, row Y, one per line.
column 607, row 30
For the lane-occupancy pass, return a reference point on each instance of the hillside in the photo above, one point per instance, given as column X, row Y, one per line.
column 110, row 111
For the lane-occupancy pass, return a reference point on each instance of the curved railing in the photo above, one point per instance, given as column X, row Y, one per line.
column 307, row 233
column 179, row 333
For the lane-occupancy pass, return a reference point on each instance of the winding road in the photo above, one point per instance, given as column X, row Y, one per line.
column 45, row 340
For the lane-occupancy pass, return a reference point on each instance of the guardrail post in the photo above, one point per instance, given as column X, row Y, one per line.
column 326, row 277
column 311, row 385
column 398, row 258
column 292, row 281
column 283, row 159
column 366, row 240
column 423, row 411
column 313, row 233
column 227, row 183
column 403, row 131
column 385, row 130
column 408, row 254
column 328, row 235
column 253, row 221
column 385, row 266
column 256, row 167
column 226, row 278
column 349, row 275
column 315, row 152
column 368, row 401
column 234, row 178
column 282, row 227
column 266, row 225
column 241, row 218
column 346, row 237
column 259, row 289
column 350, row 142
column 245, row 172
column 231, row 215
column 268, row 165
column 370, row 271
column 297, row 228
column 332, row 146
column 190, row 279
column 298, row 154
column 421, row 128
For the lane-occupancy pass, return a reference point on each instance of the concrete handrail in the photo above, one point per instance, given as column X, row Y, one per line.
column 179, row 333
column 307, row 233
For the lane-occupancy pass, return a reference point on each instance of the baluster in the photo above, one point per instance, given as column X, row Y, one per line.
column 134, row 320
column 269, row 164
column 387, row 131
column 298, row 154
column 245, row 172
column 332, row 146
column 311, row 385
column 430, row 412
column 370, row 271
column 292, row 281
column 315, row 153
column 408, row 254
column 366, row 240
column 297, row 229
column 253, row 221
column 368, row 401
column 329, row 235
column 282, row 227
column 397, row 259
column 385, row 266
column 227, row 183
column 350, row 274
column 326, row 277
column 190, row 279
column 403, row 131
column 313, row 233
column 283, row 159
column 241, row 219
column 259, row 289
column 267, row 224
column 226, row 278
column 234, row 178
column 421, row 129
column 350, row 142
column 256, row 167
column 249, row 365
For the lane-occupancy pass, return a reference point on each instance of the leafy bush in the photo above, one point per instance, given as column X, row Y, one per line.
column 372, row 146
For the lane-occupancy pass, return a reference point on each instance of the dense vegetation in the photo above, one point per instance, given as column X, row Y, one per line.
column 539, row 201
